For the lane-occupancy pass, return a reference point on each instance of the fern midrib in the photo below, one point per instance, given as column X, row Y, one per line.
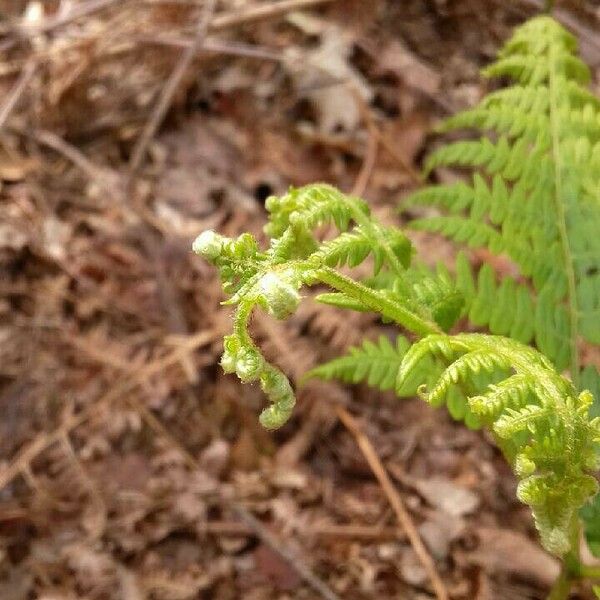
column 561, row 220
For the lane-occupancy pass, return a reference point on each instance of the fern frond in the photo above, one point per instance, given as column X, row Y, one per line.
column 376, row 364
column 538, row 419
column 534, row 196
column 272, row 279
column 352, row 248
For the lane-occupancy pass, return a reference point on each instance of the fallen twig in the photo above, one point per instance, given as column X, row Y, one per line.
column 395, row 500
column 17, row 91
column 382, row 139
column 212, row 45
column 168, row 91
column 360, row 185
column 245, row 516
column 322, row 530
column 259, row 13
column 83, row 9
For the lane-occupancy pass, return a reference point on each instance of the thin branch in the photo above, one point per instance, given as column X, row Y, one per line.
column 262, row 12
column 17, row 91
column 83, row 9
column 374, row 131
column 166, row 97
column 270, row 540
column 395, row 500
column 366, row 170
column 245, row 516
column 213, row 45
column 106, row 178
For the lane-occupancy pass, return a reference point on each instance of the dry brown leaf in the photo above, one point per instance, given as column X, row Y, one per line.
column 509, row 552
column 326, row 77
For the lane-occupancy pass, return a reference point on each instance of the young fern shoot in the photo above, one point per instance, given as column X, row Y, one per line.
column 535, row 198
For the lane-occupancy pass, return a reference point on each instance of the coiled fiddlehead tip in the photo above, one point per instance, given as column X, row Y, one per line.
column 208, row 244
column 280, row 296
column 278, row 390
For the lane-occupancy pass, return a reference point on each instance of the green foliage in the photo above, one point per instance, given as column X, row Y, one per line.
column 376, row 364
column 534, row 196
column 540, row 422
column 538, row 419
column 590, row 514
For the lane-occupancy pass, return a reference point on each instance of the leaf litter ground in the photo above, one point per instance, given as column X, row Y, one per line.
column 131, row 466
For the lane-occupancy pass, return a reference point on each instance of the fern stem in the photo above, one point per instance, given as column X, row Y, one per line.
column 372, row 230
column 571, row 568
column 562, row 586
column 561, row 220
column 366, row 223
column 589, row 571
column 376, row 302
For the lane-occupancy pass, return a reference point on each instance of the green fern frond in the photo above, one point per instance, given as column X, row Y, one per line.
column 538, row 418
column 376, row 364
column 534, row 196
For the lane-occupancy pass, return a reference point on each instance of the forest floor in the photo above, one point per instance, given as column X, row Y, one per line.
column 131, row 467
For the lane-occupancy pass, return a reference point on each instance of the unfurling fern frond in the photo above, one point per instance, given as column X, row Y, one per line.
column 534, row 196
column 536, row 415
column 272, row 279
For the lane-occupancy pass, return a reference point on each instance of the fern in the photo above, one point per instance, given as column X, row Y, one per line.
column 540, row 422
column 534, row 196
column 271, row 279
column 536, row 415
column 376, row 364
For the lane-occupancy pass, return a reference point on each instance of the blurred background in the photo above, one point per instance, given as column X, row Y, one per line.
column 130, row 467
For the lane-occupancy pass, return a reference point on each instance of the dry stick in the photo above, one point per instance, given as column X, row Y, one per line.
column 367, row 117
column 218, row 46
column 321, row 530
column 270, row 540
column 168, row 91
column 360, row 185
column 13, row 97
column 395, row 500
column 103, row 176
column 265, row 11
column 80, row 10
